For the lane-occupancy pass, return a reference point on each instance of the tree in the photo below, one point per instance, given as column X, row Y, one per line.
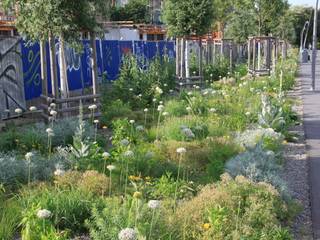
column 188, row 18
column 40, row 20
column 223, row 11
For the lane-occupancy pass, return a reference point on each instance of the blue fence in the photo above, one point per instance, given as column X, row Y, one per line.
column 109, row 56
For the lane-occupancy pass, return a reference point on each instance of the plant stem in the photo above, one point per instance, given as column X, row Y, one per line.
column 158, row 125
column 175, row 192
column 110, row 184
column 150, row 232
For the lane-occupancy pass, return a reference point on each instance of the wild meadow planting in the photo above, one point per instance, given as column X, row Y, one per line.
column 165, row 161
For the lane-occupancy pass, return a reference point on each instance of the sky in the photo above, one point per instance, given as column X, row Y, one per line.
column 302, row 2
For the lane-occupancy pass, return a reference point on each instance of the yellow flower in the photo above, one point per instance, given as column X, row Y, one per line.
column 137, row 195
column 104, row 127
column 206, row 226
column 285, row 142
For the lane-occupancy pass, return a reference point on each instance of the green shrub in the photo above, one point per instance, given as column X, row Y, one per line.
column 232, row 209
column 69, row 208
column 113, row 110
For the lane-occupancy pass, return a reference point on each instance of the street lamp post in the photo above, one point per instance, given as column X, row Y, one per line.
column 314, row 47
column 306, row 25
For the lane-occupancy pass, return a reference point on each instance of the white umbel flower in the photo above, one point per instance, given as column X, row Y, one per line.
column 128, row 234
column 44, row 214
column 165, row 114
column 53, row 105
column 181, row 150
column 132, row 121
column 154, row 204
column 146, row 110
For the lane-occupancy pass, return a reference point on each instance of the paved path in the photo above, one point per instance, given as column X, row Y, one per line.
column 311, row 105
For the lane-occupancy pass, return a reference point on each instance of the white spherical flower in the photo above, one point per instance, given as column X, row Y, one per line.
column 111, row 167
column 96, row 121
column 44, row 214
column 190, row 93
column 53, row 113
column 28, row 156
column 140, row 95
column 161, row 102
column 49, row 130
column 59, row 172
column 92, row 107
column 197, row 87
column 124, row 142
column 146, row 110
column 160, row 108
column 171, row 91
column 154, row 204
column 154, row 100
column 33, row 109
column 106, row 155
column 18, row 110
column 181, row 84
column 130, row 89
column 248, row 113
column 132, row 121
column 140, row 128
column 166, row 85
column 189, row 109
column 181, row 150
column 128, row 234
column 212, row 110
column 53, row 105
column 128, row 154
column 165, row 114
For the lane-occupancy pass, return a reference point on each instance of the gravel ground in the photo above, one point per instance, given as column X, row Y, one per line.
column 296, row 173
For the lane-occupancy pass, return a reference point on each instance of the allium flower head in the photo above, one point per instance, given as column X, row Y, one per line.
column 160, row 108
column 28, row 156
column 140, row 128
column 128, row 234
column 146, row 110
column 154, row 204
column 18, row 110
column 124, row 142
column 181, row 150
column 165, row 114
column 33, row 108
column 111, row 167
column 159, row 90
column 44, row 214
column 59, row 172
column 96, row 121
column 128, row 154
column 92, row 107
column 53, row 113
column 106, row 155
column 53, row 105
column 132, row 121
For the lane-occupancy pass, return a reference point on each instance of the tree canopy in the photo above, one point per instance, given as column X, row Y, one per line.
column 188, row 17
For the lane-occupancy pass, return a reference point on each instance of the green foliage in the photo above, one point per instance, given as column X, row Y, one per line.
column 217, row 70
column 113, row 110
column 135, row 10
column 191, row 17
column 69, row 208
column 138, row 87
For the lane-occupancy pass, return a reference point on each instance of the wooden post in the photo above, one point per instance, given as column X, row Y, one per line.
column 177, row 58
column 53, row 66
column 63, row 69
column 44, row 78
column 201, row 61
column 183, row 63
column 249, row 54
column 94, row 64
column 254, row 56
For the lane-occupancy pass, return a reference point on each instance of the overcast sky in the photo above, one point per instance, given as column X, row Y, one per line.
column 302, row 2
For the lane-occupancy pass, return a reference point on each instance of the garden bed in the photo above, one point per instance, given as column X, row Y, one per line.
column 204, row 163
